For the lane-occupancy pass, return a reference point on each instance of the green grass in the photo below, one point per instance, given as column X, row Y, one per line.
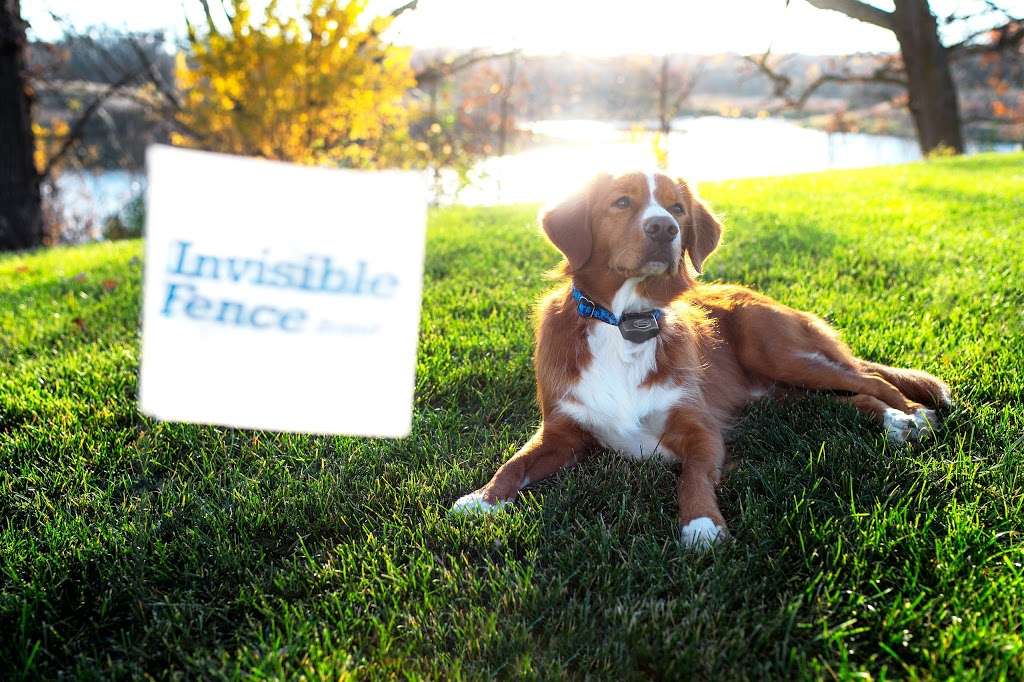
column 130, row 547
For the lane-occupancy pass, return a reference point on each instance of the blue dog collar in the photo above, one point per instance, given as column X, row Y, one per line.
column 587, row 308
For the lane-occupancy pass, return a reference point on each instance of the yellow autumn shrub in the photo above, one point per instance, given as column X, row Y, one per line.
column 321, row 88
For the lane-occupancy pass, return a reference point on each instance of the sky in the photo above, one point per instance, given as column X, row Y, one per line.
column 589, row 27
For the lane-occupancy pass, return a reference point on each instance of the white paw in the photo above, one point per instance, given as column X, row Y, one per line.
column 474, row 503
column 926, row 420
column 701, row 533
column 901, row 427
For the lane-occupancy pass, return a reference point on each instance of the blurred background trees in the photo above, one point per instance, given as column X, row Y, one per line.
column 674, row 84
column 326, row 82
column 68, row 105
column 924, row 66
column 465, row 108
column 322, row 86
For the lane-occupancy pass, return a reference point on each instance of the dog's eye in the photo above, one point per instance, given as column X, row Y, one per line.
column 622, row 202
column 677, row 209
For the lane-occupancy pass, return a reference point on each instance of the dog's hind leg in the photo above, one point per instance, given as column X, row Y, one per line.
column 913, row 383
column 899, row 426
column 800, row 349
column 814, row 370
column 902, row 417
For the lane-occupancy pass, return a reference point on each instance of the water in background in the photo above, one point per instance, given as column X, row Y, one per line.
column 85, row 200
column 704, row 148
column 568, row 152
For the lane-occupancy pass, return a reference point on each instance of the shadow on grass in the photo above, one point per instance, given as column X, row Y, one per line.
column 586, row 561
column 809, row 472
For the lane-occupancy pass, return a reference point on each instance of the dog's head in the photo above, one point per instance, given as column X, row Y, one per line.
column 633, row 225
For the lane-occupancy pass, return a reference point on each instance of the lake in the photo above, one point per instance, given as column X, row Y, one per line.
column 569, row 151
column 702, row 148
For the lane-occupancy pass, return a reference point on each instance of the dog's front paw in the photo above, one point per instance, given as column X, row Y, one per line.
column 701, row 533
column 474, row 503
column 901, row 427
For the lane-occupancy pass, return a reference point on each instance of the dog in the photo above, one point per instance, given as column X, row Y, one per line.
column 633, row 355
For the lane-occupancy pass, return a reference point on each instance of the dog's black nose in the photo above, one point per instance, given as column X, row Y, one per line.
column 661, row 229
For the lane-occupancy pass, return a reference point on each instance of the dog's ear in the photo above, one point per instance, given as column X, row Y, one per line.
column 567, row 225
column 703, row 232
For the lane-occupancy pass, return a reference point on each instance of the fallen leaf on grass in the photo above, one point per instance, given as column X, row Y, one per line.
column 80, row 323
column 109, row 284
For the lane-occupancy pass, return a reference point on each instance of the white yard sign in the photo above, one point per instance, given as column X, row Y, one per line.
column 280, row 297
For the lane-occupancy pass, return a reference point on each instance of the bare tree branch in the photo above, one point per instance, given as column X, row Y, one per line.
column 78, row 127
column 688, row 87
column 1004, row 38
column 856, row 9
column 162, row 87
column 167, row 91
column 884, row 73
column 674, row 88
column 373, row 33
column 441, row 69
column 395, row 13
column 211, row 27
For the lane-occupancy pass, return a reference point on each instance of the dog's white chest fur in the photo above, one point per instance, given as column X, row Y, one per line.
column 610, row 400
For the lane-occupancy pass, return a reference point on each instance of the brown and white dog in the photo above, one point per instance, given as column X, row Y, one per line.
column 674, row 394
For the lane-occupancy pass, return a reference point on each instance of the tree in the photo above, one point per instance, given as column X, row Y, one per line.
column 21, row 217
column 315, row 89
column 36, row 147
column 924, row 64
column 488, row 100
column 109, row 75
column 506, row 103
column 446, row 134
column 675, row 85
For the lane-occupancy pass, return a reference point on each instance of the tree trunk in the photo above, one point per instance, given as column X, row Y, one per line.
column 933, row 101
column 506, row 104
column 664, row 117
column 21, row 218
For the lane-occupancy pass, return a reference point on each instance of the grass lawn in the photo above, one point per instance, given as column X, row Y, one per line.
column 131, row 548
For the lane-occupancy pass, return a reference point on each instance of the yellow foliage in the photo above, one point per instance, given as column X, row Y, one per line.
column 48, row 140
column 319, row 89
column 659, row 146
column 941, row 151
